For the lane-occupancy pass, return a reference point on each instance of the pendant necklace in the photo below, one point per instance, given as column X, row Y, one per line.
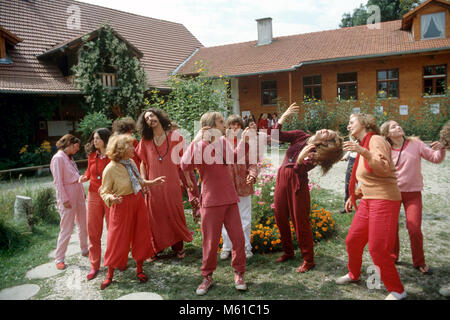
column 160, row 158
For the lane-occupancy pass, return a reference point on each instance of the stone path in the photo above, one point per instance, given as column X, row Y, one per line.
column 70, row 283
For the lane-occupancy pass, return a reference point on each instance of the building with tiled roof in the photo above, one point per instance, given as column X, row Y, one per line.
column 45, row 26
column 402, row 59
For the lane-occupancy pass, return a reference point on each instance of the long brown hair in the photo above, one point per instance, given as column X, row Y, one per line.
column 145, row 130
column 444, row 135
column 328, row 153
column 384, row 131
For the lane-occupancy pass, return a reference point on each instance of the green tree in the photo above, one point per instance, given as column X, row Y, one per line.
column 389, row 10
column 190, row 97
column 108, row 54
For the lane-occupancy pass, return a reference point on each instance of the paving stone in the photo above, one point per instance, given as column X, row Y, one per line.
column 43, row 271
column 72, row 249
column 23, row 292
column 141, row 296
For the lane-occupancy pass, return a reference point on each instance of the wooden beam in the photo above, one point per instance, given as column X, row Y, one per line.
column 290, row 88
column 2, row 48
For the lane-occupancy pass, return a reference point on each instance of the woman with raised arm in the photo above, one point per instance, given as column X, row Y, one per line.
column 407, row 153
column 376, row 218
column 292, row 198
column 210, row 152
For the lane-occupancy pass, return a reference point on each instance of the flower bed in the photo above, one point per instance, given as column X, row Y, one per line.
column 265, row 236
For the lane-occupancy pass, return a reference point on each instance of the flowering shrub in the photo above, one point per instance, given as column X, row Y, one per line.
column 265, row 235
column 39, row 156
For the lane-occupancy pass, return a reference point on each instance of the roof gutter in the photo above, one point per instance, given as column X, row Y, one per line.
column 305, row 63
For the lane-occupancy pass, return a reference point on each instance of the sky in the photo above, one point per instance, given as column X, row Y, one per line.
column 219, row 22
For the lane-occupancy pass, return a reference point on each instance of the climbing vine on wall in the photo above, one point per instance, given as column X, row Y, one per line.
column 108, row 54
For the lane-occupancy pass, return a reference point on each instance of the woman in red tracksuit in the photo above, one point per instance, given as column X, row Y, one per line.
column 292, row 199
column 97, row 211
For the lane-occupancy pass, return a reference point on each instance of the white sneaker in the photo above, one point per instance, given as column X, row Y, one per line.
column 224, row 255
column 239, row 282
column 248, row 253
column 396, row 296
column 345, row 279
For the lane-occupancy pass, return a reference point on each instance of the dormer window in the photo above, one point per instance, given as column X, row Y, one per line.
column 432, row 26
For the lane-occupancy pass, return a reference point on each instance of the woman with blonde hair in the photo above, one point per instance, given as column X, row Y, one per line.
column 292, row 198
column 70, row 197
column 407, row 153
column 122, row 190
column 376, row 218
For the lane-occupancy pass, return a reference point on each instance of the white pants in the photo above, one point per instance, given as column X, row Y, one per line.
column 245, row 211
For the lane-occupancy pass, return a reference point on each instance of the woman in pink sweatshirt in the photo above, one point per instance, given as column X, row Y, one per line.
column 407, row 153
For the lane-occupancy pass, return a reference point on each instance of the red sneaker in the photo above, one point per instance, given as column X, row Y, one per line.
column 92, row 274
column 305, row 266
column 60, row 266
column 105, row 283
column 205, row 285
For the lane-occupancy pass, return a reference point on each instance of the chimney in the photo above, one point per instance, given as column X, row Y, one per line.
column 264, row 31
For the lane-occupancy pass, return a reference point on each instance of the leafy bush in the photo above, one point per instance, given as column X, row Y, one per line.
column 193, row 96
column 91, row 122
column 421, row 121
column 40, row 155
column 44, row 206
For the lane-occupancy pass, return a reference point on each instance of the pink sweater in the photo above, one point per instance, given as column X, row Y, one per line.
column 409, row 173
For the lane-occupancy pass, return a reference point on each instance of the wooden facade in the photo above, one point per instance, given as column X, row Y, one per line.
column 290, row 85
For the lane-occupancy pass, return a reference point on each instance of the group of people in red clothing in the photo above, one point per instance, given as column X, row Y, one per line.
column 136, row 187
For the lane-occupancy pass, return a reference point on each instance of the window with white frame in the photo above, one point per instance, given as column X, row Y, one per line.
column 432, row 26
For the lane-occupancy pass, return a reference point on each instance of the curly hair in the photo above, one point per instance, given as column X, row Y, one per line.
column 328, row 152
column 124, row 125
column 104, row 135
column 368, row 121
column 66, row 141
column 117, row 146
column 444, row 135
column 144, row 129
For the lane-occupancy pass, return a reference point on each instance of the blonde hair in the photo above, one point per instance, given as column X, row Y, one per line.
column 384, row 131
column 117, row 146
column 444, row 135
column 209, row 119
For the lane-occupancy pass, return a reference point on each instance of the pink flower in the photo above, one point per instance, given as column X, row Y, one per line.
column 261, row 203
column 257, row 193
column 272, row 205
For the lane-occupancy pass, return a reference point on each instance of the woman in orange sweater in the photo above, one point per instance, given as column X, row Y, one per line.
column 376, row 219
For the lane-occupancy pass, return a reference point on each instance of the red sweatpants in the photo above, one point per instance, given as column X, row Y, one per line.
column 128, row 226
column 96, row 212
column 292, row 200
column 375, row 222
column 213, row 218
column 412, row 202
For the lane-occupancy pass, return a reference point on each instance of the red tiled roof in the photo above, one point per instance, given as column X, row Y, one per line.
column 41, row 24
column 285, row 53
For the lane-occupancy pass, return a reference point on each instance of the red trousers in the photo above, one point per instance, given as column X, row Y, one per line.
column 412, row 202
column 375, row 222
column 292, row 200
column 213, row 218
column 128, row 226
column 96, row 212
